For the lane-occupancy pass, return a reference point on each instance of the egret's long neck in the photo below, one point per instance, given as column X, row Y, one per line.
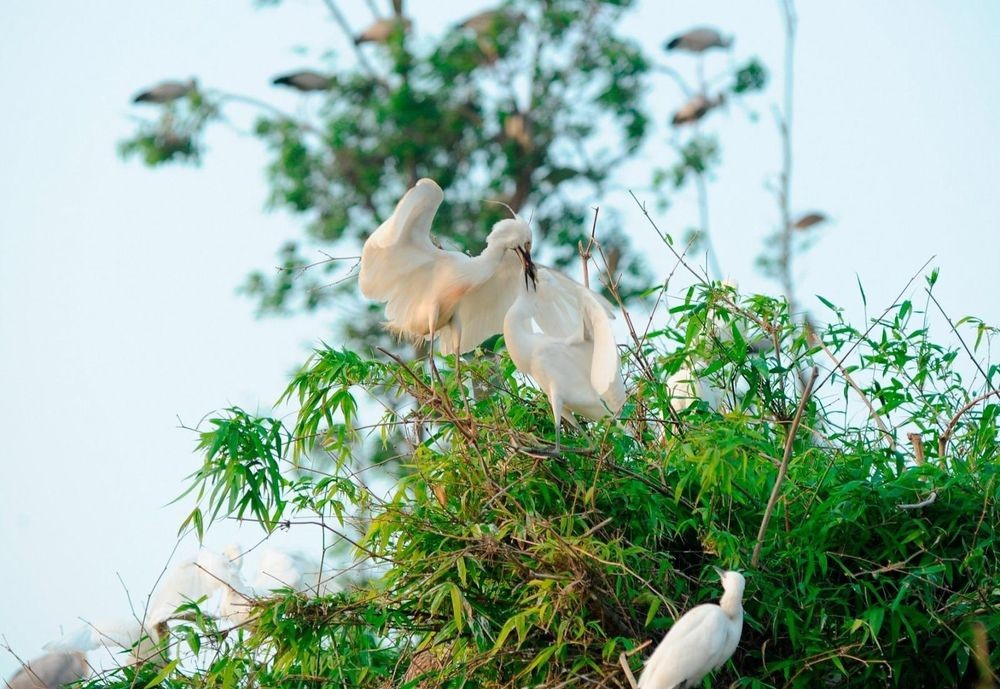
column 517, row 331
column 485, row 264
column 732, row 604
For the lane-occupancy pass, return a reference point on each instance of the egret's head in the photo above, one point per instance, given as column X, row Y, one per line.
column 732, row 581
column 515, row 235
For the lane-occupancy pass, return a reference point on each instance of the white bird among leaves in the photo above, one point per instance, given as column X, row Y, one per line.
column 702, row 640
column 50, row 671
column 432, row 293
column 575, row 359
column 199, row 578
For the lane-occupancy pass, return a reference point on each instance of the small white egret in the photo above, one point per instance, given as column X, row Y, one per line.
column 280, row 570
column 203, row 576
column 579, row 370
column 304, row 80
column 50, row 671
column 165, row 92
column 700, row 641
column 698, row 40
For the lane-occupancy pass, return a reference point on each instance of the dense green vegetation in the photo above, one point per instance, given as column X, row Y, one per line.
column 491, row 565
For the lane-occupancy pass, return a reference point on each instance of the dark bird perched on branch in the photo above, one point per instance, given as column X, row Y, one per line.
column 698, row 40
column 304, row 80
column 696, row 108
column 165, row 92
column 380, row 31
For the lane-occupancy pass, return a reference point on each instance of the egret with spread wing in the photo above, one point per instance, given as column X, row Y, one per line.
column 429, row 291
column 575, row 359
column 700, row 641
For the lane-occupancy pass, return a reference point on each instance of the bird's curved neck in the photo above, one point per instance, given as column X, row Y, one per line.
column 487, row 262
column 732, row 604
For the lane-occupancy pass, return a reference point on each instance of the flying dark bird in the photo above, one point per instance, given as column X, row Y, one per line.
column 304, row 80
column 380, row 31
column 700, row 641
column 696, row 108
column 484, row 21
column 808, row 220
column 699, row 40
column 165, row 92
column 50, row 671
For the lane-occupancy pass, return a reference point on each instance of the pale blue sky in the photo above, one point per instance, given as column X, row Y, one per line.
column 117, row 284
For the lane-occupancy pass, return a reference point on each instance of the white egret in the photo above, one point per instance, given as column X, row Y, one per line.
column 50, row 671
column 700, row 641
column 279, row 570
column 578, row 369
column 430, row 291
column 165, row 92
column 304, row 80
column 203, row 576
column 698, row 40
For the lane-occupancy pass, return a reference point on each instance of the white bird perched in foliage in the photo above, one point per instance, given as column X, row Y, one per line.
column 698, row 40
column 700, row 641
column 430, row 291
column 282, row 570
column 575, row 360
column 50, row 671
column 192, row 580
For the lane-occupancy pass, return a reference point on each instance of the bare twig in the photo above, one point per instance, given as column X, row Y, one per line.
column 784, row 120
column 783, row 469
column 586, row 253
column 623, row 661
column 946, row 436
column 346, row 28
column 864, row 398
column 960, row 338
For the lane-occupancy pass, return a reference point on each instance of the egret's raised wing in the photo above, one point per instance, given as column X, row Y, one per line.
column 395, row 253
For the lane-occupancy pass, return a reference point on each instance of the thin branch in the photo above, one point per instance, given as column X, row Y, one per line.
column 346, row 28
column 960, row 339
column 784, row 120
column 946, row 436
column 623, row 661
column 864, row 398
column 783, row 469
column 585, row 254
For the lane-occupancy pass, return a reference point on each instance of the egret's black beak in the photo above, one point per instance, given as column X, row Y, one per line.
column 530, row 273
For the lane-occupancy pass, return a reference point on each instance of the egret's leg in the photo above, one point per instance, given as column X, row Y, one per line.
column 557, row 412
column 430, row 348
column 456, row 341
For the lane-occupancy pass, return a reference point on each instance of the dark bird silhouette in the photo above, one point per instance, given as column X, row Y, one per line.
column 698, row 40
column 808, row 220
column 304, row 80
column 380, row 31
column 696, row 108
column 165, row 92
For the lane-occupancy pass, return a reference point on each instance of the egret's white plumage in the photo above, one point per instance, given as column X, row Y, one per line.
column 433, row 293
column 50, row 671
column 204, row 576
column 284, row 570
column 575, row 359
column 700, row 641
